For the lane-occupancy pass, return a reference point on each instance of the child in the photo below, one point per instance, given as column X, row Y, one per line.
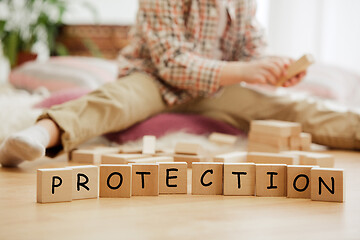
column 184, row 56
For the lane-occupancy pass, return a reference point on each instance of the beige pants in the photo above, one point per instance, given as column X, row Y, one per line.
column 131, row 99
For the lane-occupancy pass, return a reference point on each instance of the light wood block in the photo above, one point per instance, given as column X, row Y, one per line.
column 275, row 128
column 149, row 145
column 261, row 147
column 88, row 156
column 327, row 184
column 115, row 181
column 231, row 157
column 297, row 67
column 270, row 158
column 85, row 182
column 207, row 178
column 54, row 185
column 239, row 179
column 131, row 149
column 221, row 138
column 270, row 140
column 271, row 180
column 318, row 159
column 145, row 179
column 152, row 160
column 188, row 148
column 295, row 143
column 189, row 159
column 299, row 181
column 120, row 158
column 305, row 141
column 173, row 177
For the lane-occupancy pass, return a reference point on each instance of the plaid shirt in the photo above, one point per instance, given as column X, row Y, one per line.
column 173, row 40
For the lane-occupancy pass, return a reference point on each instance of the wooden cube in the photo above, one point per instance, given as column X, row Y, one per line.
column 318, row 159
column 262, row 147
column 239, row 179
column 173, row 177
column 295, row 143
column 231, row 157
column 221, row 138
column 120, row 158
column 149, row 145
column 189, row 159
column 269, row 140
column 270, row 158
column 85, row 182
column 327, row 184
column 275, row 128
column 271, row 180
column 88, row 156
column 299, row 181
column 145, row 179
column 305, row 141
column 54, row 185
column 115, row 181
column 152, row 160
column 207, row 178
column 188, row 148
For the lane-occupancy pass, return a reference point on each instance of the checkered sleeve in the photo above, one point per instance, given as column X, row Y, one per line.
column 254, row 38
column 171, row 53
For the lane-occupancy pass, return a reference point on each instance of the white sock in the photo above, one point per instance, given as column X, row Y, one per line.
column 28, row 144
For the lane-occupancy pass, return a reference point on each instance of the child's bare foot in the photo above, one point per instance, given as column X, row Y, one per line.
column 28, row 144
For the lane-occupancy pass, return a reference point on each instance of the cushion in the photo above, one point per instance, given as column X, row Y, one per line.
column 60, row 73
column 164, row 123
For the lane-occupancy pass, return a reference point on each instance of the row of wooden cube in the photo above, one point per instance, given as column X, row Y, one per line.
column 152, row 179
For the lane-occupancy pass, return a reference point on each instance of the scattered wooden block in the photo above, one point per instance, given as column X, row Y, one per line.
column 131, row 149
column 189, row 159
column 305, row 141
column 207, row 178
column 297, row 67
column 299, row 181
column 270, row 158
column 318, row 159
column 145, row 179
column 271, row 180
column 327, row 184
column 261, row 147
column 269, row 140
column 295, row 143
column 188, row 148
column 231, row 157
column 115, row 181
column 149, row 145
column 239, row 179
column 152, row 160
column 275, row 128
column 173, row 177
column 222, row 138
column 120, row 158
column 85, row 182
column 54, row 185
column 88, row 156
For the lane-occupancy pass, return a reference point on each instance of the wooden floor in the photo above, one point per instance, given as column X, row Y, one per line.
column 176, row 217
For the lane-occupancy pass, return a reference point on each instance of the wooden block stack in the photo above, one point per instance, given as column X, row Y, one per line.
column 276, row 136
column 189, row 153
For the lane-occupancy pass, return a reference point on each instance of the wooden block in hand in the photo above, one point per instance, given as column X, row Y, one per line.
column 231, row 157
column 305, row 141
column 85, row 182
column 149, row 145
column 54, row 185
column 145, row 179
column 188, row 148
column 299, row 181
column 222, row 138
column 239, row 179
column 120, row 158
column 270, row 158
column 317, row 159
column 275, row 128
column 189, row 159
column 173, row 177
column 297, row 67
column 207, row 178
column 115, row 181
column 327, row 184
column 271, row 180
